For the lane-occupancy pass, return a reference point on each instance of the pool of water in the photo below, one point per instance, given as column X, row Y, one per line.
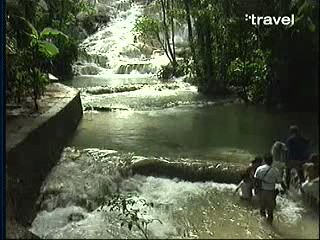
column 192, row 131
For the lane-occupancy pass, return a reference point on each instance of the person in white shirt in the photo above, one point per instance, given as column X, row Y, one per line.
column 268, row 176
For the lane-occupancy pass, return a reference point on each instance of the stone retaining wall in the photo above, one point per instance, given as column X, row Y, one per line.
column 32, row 151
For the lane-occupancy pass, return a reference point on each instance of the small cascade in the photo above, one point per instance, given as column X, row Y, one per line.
column 143, row 68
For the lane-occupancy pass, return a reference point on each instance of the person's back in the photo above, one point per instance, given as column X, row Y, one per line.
column 269, row 176
column 297, row 153
column 297, row 148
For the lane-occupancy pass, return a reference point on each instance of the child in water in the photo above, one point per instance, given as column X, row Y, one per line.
column 246, row 187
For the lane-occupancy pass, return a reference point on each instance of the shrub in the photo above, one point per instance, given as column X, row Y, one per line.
column 249, row 77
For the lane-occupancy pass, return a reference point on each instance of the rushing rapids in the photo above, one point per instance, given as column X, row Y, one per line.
column 84, row 180
column 164, row 142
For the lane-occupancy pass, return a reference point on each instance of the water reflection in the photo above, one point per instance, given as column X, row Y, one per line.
column 192, row 132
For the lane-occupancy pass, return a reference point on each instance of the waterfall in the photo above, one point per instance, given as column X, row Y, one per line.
column 113, row 49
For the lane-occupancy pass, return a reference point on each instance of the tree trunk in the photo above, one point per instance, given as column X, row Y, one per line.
column 243, row 49
column 208, row 53
column 35, row 90
column 172, row 31
column 204, row 44
column 174, row 62
column 163, row 47
column 187, row 6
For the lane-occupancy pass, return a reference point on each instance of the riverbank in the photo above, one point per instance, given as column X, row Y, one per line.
column 34, row 141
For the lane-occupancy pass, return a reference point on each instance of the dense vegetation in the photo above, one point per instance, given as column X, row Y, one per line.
column 225, row 54
column 271, row 64
column 41, row 37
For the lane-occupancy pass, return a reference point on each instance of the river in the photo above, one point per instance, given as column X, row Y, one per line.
column 131, row 116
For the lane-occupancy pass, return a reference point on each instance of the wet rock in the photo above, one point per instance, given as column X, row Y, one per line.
column 89, row 70
column 102, row 108
column 75, row 217
column 75, row 156
column 119, row 89
column 221, row 173
column 14, row 230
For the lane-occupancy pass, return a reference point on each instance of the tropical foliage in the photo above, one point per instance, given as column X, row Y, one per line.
column 37, row 44
column 28, row 65
column 226, row 53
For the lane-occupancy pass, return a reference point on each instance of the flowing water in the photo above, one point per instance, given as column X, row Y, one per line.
column 131, row 117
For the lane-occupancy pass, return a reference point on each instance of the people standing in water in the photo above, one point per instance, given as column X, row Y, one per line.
column 311, row 168
column 267, row 177
column 247, row 179
column 252, row 169
column 297, row 153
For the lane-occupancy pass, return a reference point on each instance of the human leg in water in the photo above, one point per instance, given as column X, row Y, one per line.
column 270, row 216
column 262, row 212
column 287, row 176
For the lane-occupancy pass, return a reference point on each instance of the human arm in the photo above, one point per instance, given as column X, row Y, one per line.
column 238, row 187
column 280, row 180
column 284, row 188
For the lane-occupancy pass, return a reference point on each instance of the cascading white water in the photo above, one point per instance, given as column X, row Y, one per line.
column 74, row 197
column 113, row 49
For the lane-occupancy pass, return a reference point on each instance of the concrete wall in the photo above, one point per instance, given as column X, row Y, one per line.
column 34, row 150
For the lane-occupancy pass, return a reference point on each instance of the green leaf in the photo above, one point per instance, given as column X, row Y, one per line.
column 303, row 8
column 48, row 49
column 34, row 32
column 51, row 33
column 311, row 25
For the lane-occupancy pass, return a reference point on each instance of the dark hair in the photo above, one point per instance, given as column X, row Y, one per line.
column 314, row 158
column 268, row 159
column 257, row 160
column 245, row 175
column 293, row 129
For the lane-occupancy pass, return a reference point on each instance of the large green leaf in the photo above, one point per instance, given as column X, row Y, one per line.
column 31, row 28
column 48, row 49
column 51, row 33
